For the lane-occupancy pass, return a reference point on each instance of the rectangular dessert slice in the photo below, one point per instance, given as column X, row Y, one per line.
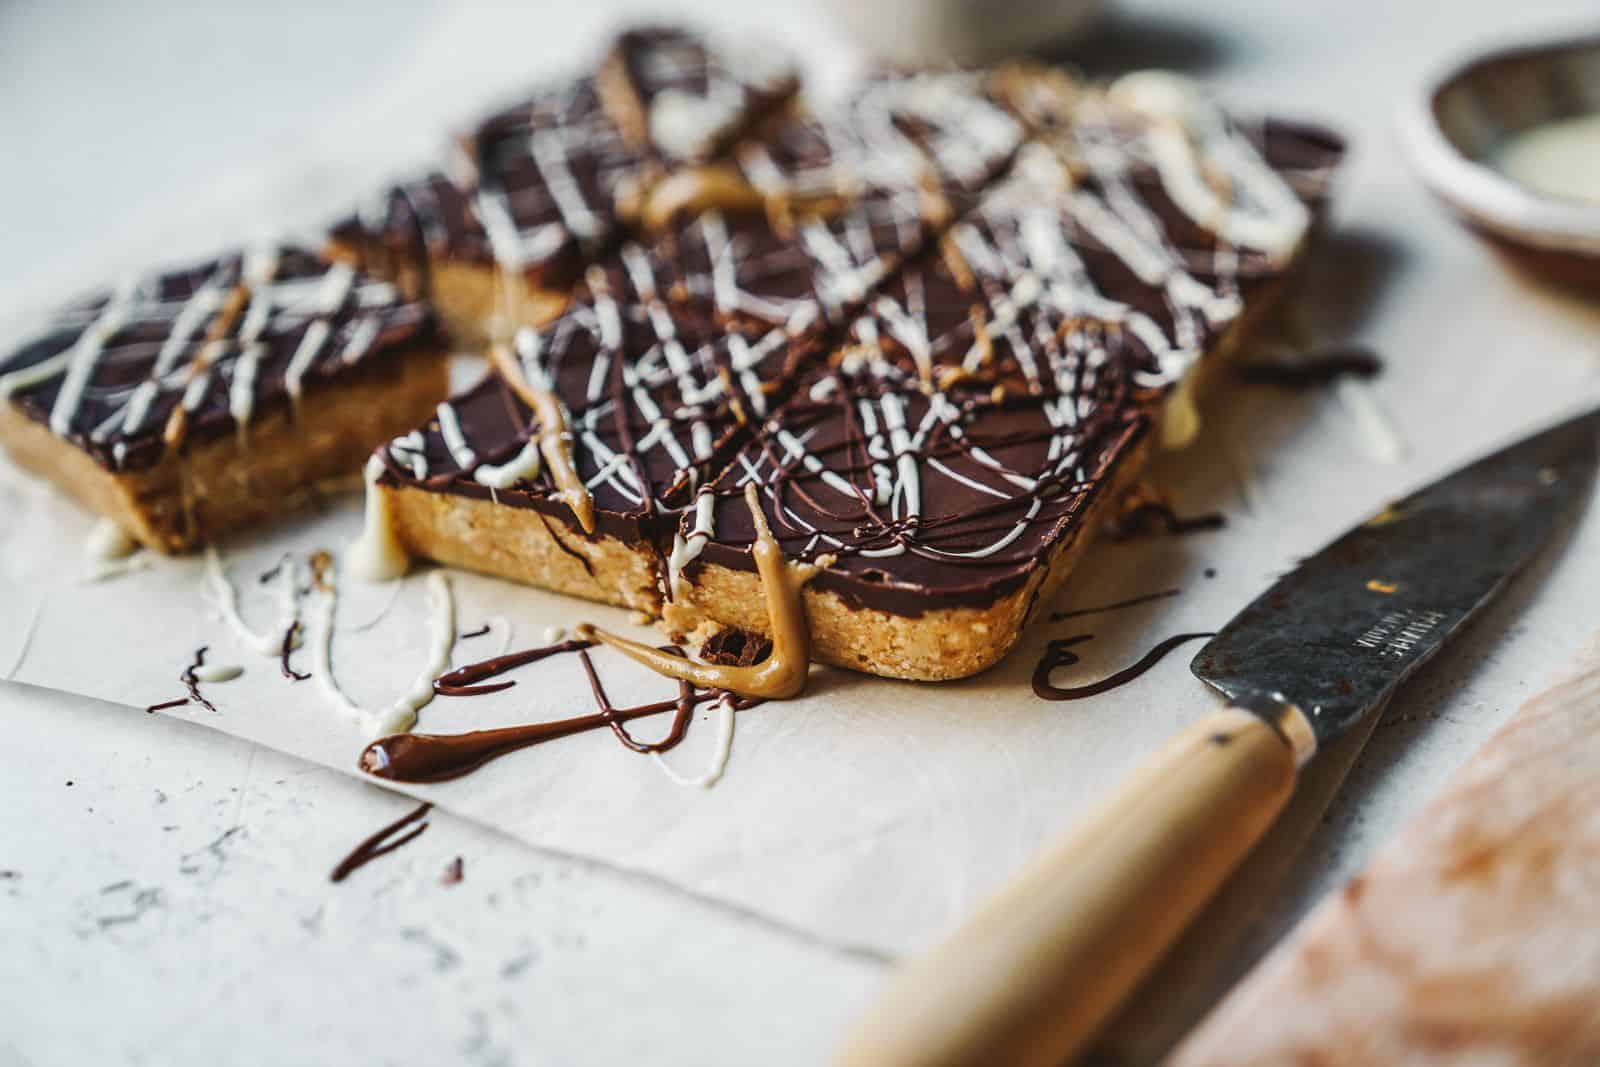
column 804, row 221
column 504, row 249
column 425, row 236
column 648, row 400
column 190, row 402
column 550, row 183
column 1002, row 391
column 681, row 97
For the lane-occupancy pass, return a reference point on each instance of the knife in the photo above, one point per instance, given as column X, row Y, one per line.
column 1031, row 977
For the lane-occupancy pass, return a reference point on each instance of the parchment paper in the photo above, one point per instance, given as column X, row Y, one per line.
column 869, row 813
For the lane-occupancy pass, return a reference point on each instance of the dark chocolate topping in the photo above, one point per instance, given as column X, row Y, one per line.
column 410, row 757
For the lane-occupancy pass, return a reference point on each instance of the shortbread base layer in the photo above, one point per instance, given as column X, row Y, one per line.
column 224, row 483
column 525, row 546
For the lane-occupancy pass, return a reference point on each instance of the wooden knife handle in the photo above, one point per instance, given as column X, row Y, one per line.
column 1042, row 965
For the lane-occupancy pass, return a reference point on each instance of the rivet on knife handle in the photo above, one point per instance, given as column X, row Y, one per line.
column 1033, row 975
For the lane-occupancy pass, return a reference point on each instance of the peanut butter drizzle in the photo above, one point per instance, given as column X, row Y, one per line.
column 555, row 437
column 720, row 187
column 621, row 102
column 782, row 674
column 177, row 427
column 695, row 189
column 957, row 264
column 322, row 571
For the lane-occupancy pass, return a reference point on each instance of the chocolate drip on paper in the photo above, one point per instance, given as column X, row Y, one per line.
column 1318, row 367
column 290, row 632
column 379, row 843
column 1131, row 602
column 463, row 681
column 192, row 683
column 416, row 757
column 1059, row 654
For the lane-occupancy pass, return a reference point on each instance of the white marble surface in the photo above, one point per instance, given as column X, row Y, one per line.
column 243, row 952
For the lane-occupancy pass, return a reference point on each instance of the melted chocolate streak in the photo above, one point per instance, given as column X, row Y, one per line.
column 284, row 652
column 440, row 757
column 1318, row 367
column 1173, row 524
column 1060, row 654
column 272, row 572
column 462, row 682
column 376, row 845
column 479, row 632
column 191, row 683
column 1059, row 616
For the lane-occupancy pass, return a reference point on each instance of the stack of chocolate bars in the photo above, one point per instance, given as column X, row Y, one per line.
column 936, row 325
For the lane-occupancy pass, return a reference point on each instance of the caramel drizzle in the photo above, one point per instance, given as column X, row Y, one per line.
column 782, row 674
column 555, row 437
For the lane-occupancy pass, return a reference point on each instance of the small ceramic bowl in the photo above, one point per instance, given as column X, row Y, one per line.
column 1459, row 121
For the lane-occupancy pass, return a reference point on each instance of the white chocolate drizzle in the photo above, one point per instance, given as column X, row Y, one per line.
column 110, row 551
column 216, row 672
column 719, row 755
column 401, row 714
column 454, row 439
column 226, row 600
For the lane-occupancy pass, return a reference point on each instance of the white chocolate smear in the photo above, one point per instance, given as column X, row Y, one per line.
column 377, row 555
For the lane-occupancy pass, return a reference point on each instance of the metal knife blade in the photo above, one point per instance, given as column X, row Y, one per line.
column 1338, row 634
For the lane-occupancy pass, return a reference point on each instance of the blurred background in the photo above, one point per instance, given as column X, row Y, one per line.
column 178, row 125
